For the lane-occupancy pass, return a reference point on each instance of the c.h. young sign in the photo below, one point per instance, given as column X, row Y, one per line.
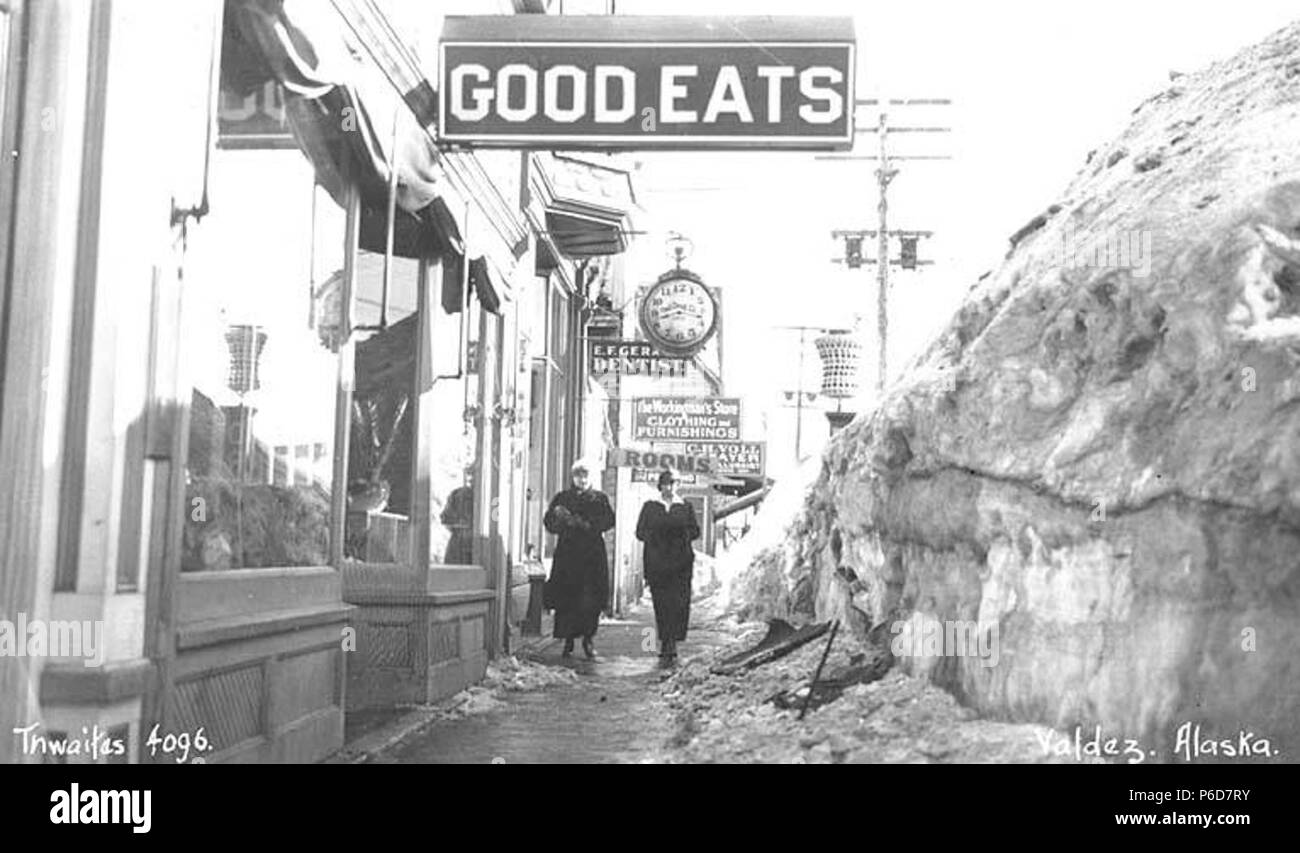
column 645, row 82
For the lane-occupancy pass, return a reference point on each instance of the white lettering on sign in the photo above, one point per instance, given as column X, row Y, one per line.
column 668, row 405
column 834, row 100
column 728, row 96
column 774, row 74
column 686, row 419
column 551, row 96
column 511, row 72
column 634, row 358
column 603, row 112
column 685, row 82
column 482, row 97
column 670, row 91
column 473, row 95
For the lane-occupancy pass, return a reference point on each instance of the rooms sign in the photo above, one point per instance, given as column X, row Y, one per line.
column 586, row 81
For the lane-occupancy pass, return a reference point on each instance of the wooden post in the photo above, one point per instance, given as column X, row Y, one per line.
column 484, row 527
column 347, row 378
column 421, row 415
column 884, row 174
column 43, row 209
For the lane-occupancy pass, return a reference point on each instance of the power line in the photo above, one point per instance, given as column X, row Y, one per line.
column 885, row 174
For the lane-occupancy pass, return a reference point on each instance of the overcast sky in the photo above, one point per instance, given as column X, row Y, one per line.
column 1035, row 86
column 1033, row 89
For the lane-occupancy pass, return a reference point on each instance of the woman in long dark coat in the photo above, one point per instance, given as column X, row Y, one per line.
column 667, row 526
column 579, row 581
column 458, row 517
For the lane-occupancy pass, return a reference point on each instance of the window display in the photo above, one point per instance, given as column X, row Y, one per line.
column 260, row 465
column 382, row 436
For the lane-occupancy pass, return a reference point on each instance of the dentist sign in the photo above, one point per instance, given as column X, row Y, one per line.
column 598, row 82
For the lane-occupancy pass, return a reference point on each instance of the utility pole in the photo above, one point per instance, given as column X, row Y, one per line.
column 885, row 173
column 798, row 409
column 798, row 403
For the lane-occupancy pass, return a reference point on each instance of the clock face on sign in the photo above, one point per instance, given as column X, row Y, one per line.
column 678, row 314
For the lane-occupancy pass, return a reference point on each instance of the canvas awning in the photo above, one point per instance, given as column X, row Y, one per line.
column 486, row 285
column 347, row 116
column 483, row 279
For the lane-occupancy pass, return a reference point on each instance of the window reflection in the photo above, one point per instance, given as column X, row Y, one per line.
column 382, row 438
column 260, row 463
column 453, row 436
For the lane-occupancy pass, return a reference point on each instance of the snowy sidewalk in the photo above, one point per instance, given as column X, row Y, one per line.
column 545, row 709
column 625, row 708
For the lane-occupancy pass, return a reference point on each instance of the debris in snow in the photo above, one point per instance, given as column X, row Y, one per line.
column 895, row 719
column 1096, row 420
column 782, row 639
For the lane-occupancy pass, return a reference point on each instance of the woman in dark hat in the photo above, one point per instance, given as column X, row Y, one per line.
column 579, row 581
column 667, row 526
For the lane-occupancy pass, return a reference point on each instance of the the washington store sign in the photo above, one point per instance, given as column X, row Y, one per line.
column 545, row 81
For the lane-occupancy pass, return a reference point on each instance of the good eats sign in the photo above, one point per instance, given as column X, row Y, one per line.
column 635, row 82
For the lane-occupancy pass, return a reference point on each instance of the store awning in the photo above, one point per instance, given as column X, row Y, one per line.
column 430, row 232
column 347, row 115
column 484, row 281
column 386, row 360
column 576, row 237
column 487, row 286
column 588, row 206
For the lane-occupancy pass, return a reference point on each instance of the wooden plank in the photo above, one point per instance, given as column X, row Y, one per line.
column 782, row 639
column 84, row 299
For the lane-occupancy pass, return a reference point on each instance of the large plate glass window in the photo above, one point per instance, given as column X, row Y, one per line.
column 262, row 352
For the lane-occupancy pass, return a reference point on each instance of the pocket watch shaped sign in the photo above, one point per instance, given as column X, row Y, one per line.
column 679, row 314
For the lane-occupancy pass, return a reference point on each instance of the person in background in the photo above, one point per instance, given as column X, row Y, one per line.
column 458, row 517
column 579, row 581
column 667, row 526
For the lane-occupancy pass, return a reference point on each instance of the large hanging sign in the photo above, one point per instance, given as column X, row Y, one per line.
column 633, row 358
column 731, row 458
column 692, row 469
column 686, row 418
column 588, row 81
column 678, row 314
column 657, row 459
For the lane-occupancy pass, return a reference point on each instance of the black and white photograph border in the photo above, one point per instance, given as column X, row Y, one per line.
column 650, row 382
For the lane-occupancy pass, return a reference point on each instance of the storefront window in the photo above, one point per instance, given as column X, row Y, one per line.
column 454, row 419
column 557, row 396
column 536, row 496
column 381, row 452
column 262, row 293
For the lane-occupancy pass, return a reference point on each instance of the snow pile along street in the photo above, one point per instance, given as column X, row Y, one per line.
column 894, row 719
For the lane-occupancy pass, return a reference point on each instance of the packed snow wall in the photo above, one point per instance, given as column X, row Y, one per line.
column 1095, row 468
